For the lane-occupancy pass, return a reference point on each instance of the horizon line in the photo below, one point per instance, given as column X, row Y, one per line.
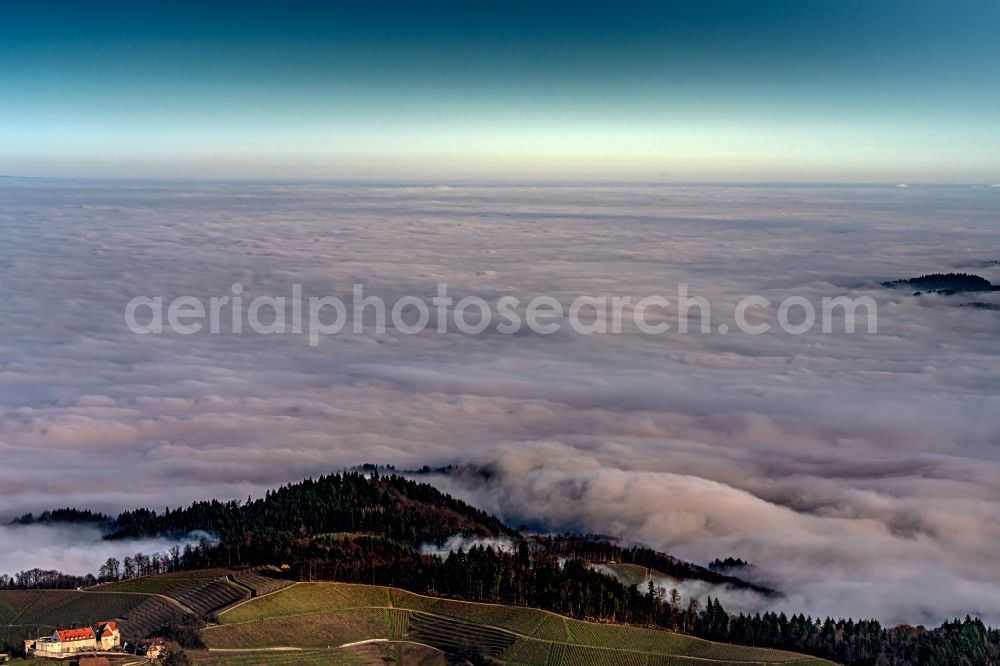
column 448, row 182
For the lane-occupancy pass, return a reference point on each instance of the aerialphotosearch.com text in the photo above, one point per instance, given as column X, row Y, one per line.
column 321, row 316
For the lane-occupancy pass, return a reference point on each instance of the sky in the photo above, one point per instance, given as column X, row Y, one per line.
column 685, row 91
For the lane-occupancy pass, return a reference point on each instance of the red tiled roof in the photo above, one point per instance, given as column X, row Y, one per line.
column 106, row 628
column 76, row 634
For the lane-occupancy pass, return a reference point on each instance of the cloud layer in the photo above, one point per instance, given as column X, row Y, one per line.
column 72, row 549
column 859, row 473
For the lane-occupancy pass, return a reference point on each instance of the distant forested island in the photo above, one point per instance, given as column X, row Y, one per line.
column 944, row 283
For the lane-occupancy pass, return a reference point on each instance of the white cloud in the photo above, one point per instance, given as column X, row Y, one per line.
column 859, row 473
column 72, row 549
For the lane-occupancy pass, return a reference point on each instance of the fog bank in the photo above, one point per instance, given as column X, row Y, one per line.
column 72, row 549
column 858, row 473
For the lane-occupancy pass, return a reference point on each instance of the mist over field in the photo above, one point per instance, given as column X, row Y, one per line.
column 859, row 473
column 74, row 549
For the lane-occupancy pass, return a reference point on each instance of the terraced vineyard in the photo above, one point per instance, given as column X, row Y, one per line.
column 399, row 624
column 524, row 621
column 527, row 651
column 170, row 585
column 82, row 609
column 204, row 592
column 7, row 612
column 13, row 635
column 317, row 615
column 148, row 616
column 28, row 604
column 459, row 637
column 67, row 608
column 13, row 603
column 212, row 597
column 261, row 582
column 139, row 614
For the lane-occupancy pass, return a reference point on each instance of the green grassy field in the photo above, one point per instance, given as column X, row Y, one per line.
column 320, row 597
column 404, row 654
column 322, row 630
column 321, row 615
column 303, row 657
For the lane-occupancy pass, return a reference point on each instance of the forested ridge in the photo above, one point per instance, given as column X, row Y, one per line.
column 63, row 516
column 596, row 551
column 946, row 283
column 359, row 528
column 389, row 505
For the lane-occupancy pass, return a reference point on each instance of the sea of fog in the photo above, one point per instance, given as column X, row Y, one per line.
column 859, row 473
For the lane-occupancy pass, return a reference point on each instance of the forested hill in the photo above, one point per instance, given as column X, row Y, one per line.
column 600, row 550
column 284, row 525
column 409, row 513
column 945, row 283
column 67, row 516
column 387, row 505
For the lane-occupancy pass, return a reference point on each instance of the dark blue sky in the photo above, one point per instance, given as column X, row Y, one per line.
column 702, row 90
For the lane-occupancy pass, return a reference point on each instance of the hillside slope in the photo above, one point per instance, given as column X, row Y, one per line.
column 31, row 613
column 315, row 616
